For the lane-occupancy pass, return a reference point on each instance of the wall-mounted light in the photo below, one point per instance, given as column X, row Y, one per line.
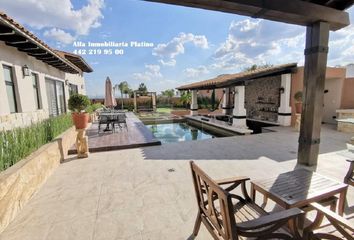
column 66, row 82
column 26, row 71
column 82, row 86
column 281, row 90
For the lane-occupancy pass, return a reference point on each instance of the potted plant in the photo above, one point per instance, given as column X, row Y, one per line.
column 298, row 101
column 78, row 104
column 92, row 111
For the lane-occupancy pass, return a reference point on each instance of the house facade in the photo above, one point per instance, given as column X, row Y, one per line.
column 268, row 93
column 36, row 81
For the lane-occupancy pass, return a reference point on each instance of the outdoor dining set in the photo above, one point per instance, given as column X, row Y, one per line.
column 229, row 215
column 112, row 119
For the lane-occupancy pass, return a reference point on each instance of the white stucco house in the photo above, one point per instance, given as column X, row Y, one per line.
column 35, row 80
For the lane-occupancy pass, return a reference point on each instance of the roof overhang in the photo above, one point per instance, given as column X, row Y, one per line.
column 294, row 12
column 77, row 60
column 230, row 80
column 14, row 35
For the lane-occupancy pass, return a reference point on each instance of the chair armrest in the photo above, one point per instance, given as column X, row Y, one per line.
column 232, row 180
column 333, row 216
column 270, row 219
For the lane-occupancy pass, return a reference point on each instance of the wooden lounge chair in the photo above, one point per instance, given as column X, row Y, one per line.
column 338, row 227
column 229, row 216
column 349, row 178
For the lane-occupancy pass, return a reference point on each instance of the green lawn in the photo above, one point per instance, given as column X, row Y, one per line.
column 163, row 110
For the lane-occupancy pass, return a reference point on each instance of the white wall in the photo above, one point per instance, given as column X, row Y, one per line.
column 350, row 71
column 23, row 85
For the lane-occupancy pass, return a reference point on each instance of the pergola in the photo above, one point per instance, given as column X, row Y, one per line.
column 153, row 101
column 319, row 17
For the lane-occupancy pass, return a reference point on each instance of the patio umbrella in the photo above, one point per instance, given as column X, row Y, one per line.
column 109, row 100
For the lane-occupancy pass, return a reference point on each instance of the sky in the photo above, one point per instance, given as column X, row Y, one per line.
column 178, row 45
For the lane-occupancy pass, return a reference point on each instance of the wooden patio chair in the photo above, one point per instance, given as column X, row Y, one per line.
column 337, row 227
column 229, row 216
column 349, row 178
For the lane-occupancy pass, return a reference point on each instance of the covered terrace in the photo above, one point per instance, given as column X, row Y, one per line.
column 265, row 91
column 320, row 17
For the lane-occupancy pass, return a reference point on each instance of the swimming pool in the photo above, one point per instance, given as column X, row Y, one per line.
column 178, row 132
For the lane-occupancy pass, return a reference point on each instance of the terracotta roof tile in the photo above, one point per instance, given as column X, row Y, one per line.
column 18, row 27
column 231, row 79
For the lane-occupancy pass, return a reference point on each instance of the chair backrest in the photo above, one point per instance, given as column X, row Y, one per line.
column 214, row 204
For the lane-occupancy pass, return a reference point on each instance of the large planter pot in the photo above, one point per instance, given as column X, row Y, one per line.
column 298, row 107
column 80, row 120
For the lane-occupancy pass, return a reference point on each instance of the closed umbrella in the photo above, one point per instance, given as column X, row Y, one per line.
column 109, row 100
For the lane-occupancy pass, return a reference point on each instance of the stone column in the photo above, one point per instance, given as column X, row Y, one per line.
column 239, row 111
column 194, row 104
column 82, row 143
column 154, row 101
column 135, row 104
column 226, row 102
column 284, row 111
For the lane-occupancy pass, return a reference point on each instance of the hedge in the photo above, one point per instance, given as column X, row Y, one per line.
column 18, row 143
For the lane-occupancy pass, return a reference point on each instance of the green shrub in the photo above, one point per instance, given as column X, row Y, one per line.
column 18, row 143
column 93, row 107
column 78, row 102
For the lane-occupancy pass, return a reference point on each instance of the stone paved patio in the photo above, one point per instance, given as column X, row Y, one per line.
column 130, row 194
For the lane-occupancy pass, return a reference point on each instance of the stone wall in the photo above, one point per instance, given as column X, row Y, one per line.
column 262, row 98
column 14, row 120
column 21, row 181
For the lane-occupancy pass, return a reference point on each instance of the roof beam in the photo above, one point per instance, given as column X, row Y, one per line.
column 17, row 42
column 7, row 33
column 294, row 12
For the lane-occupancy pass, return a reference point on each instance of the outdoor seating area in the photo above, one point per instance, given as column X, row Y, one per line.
column 112, row 119
column 148, row 193
column 115, row 130
column 223, row 119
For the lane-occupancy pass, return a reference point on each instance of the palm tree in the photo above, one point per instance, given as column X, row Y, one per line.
column 186, row 98
column 123, row 87
column 169, row 93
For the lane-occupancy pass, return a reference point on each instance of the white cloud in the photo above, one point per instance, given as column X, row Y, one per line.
column 167, row 52
column 259, row 42
column 141, row 77
column 59, row 35
column 170, row 63
column 57, row 17
column 196, row 72
column 152, row 72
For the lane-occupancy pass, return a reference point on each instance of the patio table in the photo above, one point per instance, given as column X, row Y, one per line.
column 299, row 188
column 111, row 117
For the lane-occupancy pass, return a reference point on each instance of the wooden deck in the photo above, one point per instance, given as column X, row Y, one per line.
column 134, row 136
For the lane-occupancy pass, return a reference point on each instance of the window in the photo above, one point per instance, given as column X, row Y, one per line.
column 36, row 93
column 73, row 89
column 56, row 97
column 10, row 88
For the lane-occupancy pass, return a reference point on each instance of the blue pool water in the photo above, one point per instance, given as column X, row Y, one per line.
column 178, row 132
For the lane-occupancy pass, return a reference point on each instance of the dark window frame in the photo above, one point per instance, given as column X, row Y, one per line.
column 36, row 89
column 56, row 82
column 73, row 89
column 12, row 84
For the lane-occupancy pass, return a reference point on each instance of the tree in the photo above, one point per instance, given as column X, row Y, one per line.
column 255, row 67
column 123, row 87
column 142, row 88
column 186, row 98
column 169, row 93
